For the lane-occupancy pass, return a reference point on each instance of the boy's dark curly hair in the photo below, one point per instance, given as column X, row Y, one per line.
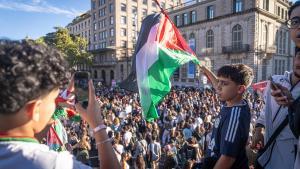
column 239, row 73
column 28, row 71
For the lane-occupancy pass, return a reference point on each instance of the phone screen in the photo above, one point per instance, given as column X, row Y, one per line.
column 81, row 80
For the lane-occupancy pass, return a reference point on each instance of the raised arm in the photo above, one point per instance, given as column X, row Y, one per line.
column 211, row 76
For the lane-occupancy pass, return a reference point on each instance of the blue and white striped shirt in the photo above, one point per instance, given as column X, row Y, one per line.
column 230, row 134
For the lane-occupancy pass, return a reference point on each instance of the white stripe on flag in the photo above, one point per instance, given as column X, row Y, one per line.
column 236, row 126
column 230, row 123
column 145, row 58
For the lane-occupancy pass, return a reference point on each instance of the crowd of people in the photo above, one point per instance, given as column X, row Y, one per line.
column 226, row 127
column 178, row 139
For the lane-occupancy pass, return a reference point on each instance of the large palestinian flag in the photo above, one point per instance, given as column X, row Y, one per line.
column 160, row 50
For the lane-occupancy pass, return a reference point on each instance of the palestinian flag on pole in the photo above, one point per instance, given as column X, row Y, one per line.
column 159, row 52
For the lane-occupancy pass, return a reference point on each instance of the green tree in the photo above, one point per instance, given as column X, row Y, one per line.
column 74, row 47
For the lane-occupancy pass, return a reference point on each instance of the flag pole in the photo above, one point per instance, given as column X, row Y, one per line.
column 161, row 9
column 165, row 13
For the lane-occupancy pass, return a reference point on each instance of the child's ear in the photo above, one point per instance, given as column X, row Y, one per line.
column 33, row 110
column 241, row 89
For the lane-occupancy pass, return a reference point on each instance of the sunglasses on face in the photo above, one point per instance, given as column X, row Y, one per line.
column 293, row 23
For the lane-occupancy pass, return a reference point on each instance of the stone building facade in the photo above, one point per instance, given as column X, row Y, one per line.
column 222, row 32
column 115, row 26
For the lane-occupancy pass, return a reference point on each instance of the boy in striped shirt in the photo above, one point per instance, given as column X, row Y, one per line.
column 227, row 147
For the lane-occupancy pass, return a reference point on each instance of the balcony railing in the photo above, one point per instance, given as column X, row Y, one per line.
column 105, row 63
column 236, row 48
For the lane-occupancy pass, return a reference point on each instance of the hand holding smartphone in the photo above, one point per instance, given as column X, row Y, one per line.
column 280, row 93
column 274, row 86
column 81, row 83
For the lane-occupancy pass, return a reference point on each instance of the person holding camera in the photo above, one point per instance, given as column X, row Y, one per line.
column 30, row 77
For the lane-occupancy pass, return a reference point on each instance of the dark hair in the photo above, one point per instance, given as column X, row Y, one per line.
column 296, row 4
column 239, row 73
column 27, row 71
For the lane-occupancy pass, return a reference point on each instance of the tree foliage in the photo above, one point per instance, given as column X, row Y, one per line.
column 74, row 47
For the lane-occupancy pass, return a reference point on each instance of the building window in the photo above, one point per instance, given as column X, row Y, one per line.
column 280, row 35
column 266, row 5
column 176, row 75
column 237, row 6
column 209, row 39
column 123, row 20
column 123, row 44
column 101, row 2
column 95, row 37
column 283, row 67
column 284, row 44
column 112, row 32
column 134, row 10
column 278, row 11
column 145, row 2
column 144, row 12
column 95, row 26
column 264, row 37
column 278, row 40
column 102, row 23
column 193, row 17
column 177, row 20
column 192, row 42
column 103, row 74
column 93, row 4
column 123, row 7
column 185, row 19
column 111, row 20
column 210, row 12
column 111, row 8
column 276, row 67
column 102, row 12
column 112, row 75
column 282, row 13
column 94, row 16
column 95, row 74
column 123, row 32
column 153, row 4
column 237, row 34
column 279, row 67
column 122, row 71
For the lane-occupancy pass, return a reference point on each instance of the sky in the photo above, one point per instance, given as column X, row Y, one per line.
column 35, row 18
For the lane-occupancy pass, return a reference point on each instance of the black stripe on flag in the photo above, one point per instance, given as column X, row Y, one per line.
column 130, row 84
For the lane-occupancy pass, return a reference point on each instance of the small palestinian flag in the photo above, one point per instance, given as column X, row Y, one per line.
column 57, row 136
column 159, row 52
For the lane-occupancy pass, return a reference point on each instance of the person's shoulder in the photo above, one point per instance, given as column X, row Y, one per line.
column 241, row 110
column 62, row 159
column 41, row 156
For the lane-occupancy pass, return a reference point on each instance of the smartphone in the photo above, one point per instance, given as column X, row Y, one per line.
column 274, row 86
column 81, row 83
